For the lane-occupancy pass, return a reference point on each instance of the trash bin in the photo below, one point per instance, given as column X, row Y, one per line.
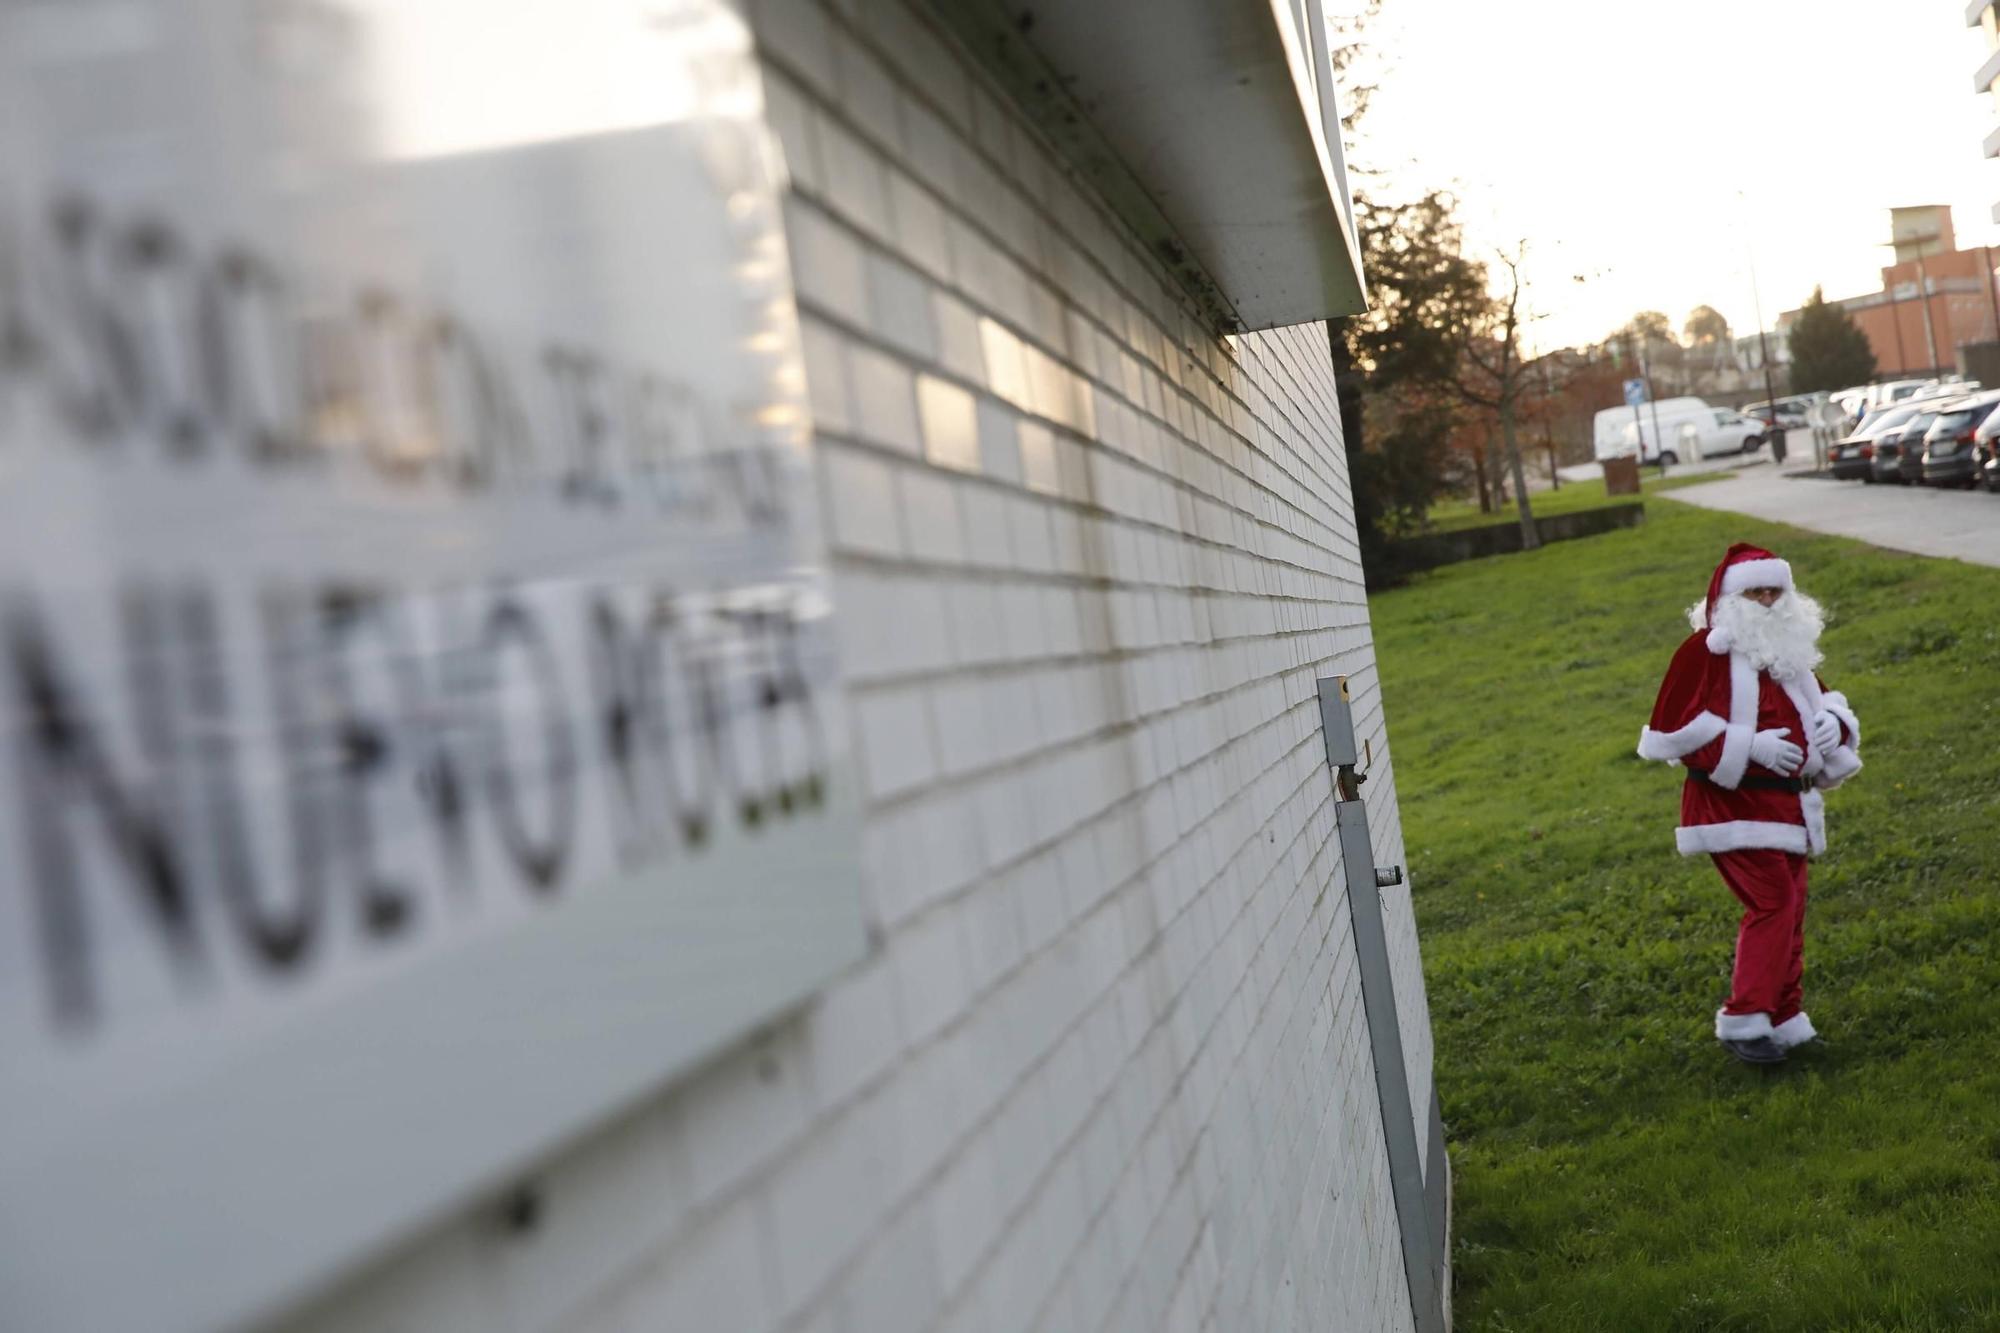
column 1621, row 476
column 1777, row 444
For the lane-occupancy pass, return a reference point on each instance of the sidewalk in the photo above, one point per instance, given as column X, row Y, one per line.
column 1959, row 525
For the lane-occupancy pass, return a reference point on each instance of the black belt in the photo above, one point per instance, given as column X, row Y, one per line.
column 1758, row 780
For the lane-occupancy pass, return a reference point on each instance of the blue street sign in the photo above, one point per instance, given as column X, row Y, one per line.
column 1635, row 392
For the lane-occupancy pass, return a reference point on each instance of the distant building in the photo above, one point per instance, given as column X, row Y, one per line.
column 1935, row 297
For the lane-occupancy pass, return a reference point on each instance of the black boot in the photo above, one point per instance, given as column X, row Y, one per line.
column 1756, row 1051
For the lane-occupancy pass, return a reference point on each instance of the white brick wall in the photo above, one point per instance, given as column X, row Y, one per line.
column 1108, row 1067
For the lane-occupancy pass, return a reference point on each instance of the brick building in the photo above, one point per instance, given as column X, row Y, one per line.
column 1104, row 1061
column 1935, row 298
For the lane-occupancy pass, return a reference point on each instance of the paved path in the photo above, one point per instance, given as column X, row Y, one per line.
column 1720, row 463
column 1964, row 525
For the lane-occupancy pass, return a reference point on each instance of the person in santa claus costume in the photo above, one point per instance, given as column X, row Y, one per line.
column 1761, row 737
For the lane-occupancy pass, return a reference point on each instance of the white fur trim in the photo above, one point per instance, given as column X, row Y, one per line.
column 1729, row 769
column 1671, row 745
column 1794, row 1031
column 1745, row 574
column 1718, row 641
column 1738, row 835
column 1836, row 703
column 1742, row 726
column 1741, row 1027
column 1841, row 764
column 1814, row 807
column 1804, row 695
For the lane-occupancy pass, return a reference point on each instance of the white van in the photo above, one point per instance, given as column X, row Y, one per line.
column 1690, row 427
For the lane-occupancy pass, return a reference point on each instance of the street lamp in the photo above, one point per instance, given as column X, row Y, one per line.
column 1763, row 347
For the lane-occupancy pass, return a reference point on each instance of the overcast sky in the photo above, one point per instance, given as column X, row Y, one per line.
column 1615, row 138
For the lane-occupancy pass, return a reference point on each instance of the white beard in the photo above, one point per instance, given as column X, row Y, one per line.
column 1782, row 638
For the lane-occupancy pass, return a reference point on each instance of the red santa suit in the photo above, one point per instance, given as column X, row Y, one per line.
column 1759, row 825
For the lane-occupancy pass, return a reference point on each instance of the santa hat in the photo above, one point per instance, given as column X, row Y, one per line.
column 1743, row 567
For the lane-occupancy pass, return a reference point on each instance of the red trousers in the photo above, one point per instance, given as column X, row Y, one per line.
column 1771, row 941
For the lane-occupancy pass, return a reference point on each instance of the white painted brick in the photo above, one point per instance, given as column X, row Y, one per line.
column 868, row 93
column 715, row 1278
column 934, row 152
column 899, row 307
column 826, row 262
column 1106, row 1067
column 896, row 749
column 885, row 400
column 964, row 739
column 791, row 117
column 745, row 1108
column 972, row 609
column 798, row 33
column 999, row 446
column 986, row 536
column 960, row 349
column 826, row 375
column 1032, row 542
column 931, row 516
column 1006, row 366
column 853, row 1032
column 856, row 183
column 929, row 961
column 1038, row 459
column 861, row 502
column 921, row 230
column 1004, row 818
column 823, row 1202
column 964, row 1213
column 895, row 1288
column 950, row 428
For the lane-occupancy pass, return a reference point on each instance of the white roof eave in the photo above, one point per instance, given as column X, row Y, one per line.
column 1211, row 126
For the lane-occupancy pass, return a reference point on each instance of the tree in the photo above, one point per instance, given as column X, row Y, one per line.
column 1705, row 326
column 1829, row 351
column 1496, row 375
column 1394, row 362
column 1650, row 325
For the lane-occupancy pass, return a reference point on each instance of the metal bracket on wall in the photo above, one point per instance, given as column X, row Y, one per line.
column 1420, row 1204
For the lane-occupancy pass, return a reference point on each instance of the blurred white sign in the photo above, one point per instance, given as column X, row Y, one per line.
column 418, row 728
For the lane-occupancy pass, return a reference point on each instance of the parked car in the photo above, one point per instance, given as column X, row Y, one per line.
column 1894, row 391
column 1949, row 458
column 1900, row 443
column 1854, row 456
column 1788, row 413
column 1986, row 449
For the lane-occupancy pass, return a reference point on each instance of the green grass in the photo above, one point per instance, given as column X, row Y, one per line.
column 1573, row 495
column 1615, row 1170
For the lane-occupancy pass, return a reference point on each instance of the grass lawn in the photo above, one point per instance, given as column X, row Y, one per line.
column 1574, row 495
column 1616, row 1171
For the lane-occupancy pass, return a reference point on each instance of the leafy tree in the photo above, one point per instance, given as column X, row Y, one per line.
column 1705, row 326
column 1650, row 326
column 1829, row 351
column 1393, row 362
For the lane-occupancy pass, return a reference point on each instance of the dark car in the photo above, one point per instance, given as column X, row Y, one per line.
column 1854, row 456
column 1949, row 459
column 1892, row 445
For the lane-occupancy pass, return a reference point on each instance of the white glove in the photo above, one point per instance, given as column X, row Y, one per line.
column 1825, row 732
column 1773, row 751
